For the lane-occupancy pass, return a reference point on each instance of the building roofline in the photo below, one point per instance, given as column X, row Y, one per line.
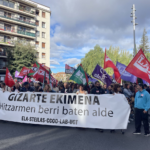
column 39, row 3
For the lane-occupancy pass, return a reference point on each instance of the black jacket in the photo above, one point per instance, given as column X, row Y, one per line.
column 97, row 90
column 148, row 90
column 25, row 90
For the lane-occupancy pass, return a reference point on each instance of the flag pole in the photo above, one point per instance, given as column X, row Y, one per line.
column 121, row 74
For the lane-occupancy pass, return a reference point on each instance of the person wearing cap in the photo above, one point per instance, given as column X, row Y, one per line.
column 141, row 105
column 27, row 88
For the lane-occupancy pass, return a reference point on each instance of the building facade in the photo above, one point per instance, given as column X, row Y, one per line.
column 24, row 20
column 61, row 76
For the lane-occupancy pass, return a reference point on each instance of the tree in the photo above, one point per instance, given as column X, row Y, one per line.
column 144, row 42
column 23, row 54
column 92, row 58
column 115, row 54
column 96, row 56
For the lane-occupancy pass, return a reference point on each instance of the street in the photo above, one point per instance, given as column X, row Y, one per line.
column 17, row 136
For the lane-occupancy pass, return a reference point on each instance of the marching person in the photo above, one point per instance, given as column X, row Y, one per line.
column 81, row 90
column 4, row 87
column 97, row 89
column 55, row 88
column 66, row 89
column 105, row 88
column 116, row 90
column 109, row 90
column 47, row 88
column 27, row 88
column 141, row 105
column 127, row 92
column 17, row 87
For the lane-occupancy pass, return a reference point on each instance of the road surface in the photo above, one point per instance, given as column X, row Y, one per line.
column 17, row 136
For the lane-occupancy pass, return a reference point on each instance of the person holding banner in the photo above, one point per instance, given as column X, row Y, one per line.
column 17, row 87
column 109, row 90
column 55, row 88
column 47, row 88
column 27, row 88
column 81, row 90
column 97, row 89
column 116, row 90
column 141, row 105
column 66, row 89
column 4, row 87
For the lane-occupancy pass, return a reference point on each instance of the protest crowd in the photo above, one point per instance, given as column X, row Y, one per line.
column 137, row 94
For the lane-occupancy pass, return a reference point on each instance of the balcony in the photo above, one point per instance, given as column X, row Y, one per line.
column 2, row 67
column 26, row 33
column 7, row 42
column 11, row 6
column 2, row 53
column 19, row 20
column 18, row 32
column 26, row 10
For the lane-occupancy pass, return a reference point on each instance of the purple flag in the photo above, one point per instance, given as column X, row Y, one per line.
column 91, row 79
column 17, row 75
column 126, row 76
column 100, row 74
column 144, row 82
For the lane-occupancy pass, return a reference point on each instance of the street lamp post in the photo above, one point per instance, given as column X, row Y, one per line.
column 134, row 24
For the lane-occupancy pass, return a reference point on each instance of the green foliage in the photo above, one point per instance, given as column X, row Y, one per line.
column 96, row 56
column 92, row 58
column 23, row 54
column 148, row 56
column 144, row 42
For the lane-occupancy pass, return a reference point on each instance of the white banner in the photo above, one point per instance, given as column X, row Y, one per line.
column 88, row 111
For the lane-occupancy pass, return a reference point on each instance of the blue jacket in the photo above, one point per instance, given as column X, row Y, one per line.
column 142, row 100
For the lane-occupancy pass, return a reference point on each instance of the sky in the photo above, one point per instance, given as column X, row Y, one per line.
column 78, row 25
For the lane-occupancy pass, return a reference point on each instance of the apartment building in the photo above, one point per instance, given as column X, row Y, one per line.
column 24, row 20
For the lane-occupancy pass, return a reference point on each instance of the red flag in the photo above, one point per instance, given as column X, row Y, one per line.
column 40, row 75
column 24, row 71
column 8, row 79
column 109, row 64
column 140, row 66
column 67, row 66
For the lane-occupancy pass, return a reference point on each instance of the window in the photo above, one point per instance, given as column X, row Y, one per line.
column 37, row 33
column 43, row 45
column 1, row 2
column 37, row 23
column 43, row 34
column 7, row 14
column 6, row 3
column 43, row 25
column 37, row 12
column 43, row 14
column 43, row 55
column 37, row 44
column 28, row 9
column 11, row 4
column 37, row 54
